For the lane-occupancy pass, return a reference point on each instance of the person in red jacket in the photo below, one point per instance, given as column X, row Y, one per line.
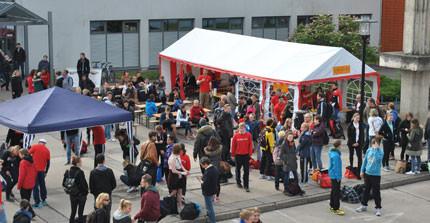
column 41, row 157
column 185, row 160
column 27, row 176
column 99, row 142
column 241, row 151
column 29, row 83
column 150, row 202
column 197, row 112
column 336, row 100
column 45, row 77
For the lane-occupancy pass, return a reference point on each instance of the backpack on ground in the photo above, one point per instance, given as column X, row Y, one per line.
column 349, row 195
column 69, row 184
column 170, row 204
column 294, row 188
column 261, row 140
column 189, row 212
column 336, row 129
column 324, row 179
column 360, row 188
column 84, row 147
column 352, row 172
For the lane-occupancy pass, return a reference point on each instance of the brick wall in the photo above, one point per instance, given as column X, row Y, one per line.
column 393, row 12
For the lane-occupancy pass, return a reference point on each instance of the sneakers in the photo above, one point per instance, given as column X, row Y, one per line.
column 338, row 212
column 418, row 172
column 378, row 212
column 247, row 189
column 410, row 173
column 386, row 169
column 362, row 208
column 303, row 184
column 36, row 206
column 262, row 176
column 130, row 189
column 112, row 140
column 270, row 178
column 287, row 193
column 239, row 185
column 67, row 163
column 44, row 203
column 390, row 168
column 192, row 135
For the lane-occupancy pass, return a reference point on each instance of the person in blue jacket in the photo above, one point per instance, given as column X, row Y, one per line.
column 150, row 107
column 335, row 173
column 304, row 150
column 371, row 172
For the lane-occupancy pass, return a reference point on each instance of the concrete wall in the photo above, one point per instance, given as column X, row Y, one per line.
column 71, row 19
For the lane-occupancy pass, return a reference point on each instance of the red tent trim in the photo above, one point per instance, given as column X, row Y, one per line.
column 269, row 79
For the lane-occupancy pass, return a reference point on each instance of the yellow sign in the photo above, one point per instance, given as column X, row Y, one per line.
column 283, row 87
column 342, row 70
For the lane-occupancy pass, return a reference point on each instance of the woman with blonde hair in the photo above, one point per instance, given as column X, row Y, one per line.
column 122, row 214
column 16, row 84
column 79, row 197
column 375, row 122
column 354, row 141
column 101, row 214
column 10, row 171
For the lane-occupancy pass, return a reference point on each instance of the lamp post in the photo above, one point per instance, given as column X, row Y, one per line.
column 365, row 34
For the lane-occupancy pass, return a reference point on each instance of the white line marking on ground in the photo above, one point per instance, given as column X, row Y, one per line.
column 285, row 215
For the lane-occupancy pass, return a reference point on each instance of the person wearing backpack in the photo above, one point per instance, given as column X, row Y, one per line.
column 102, row 181
column 289, row 161
column 78, row 190
column 371, row 172
column 213, row 152
column 304, row 148
column 354, row 141
column 27, row 176
column 318, row 133
column 335, row 173
column 150, row 202
column 267, row 146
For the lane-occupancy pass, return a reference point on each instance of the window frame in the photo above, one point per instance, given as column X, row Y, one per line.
column 307, row 17
column 229, row 23
column 276, row 18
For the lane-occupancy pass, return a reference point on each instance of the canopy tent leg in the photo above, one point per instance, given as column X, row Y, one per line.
column 296, row 100
column 28, row 139
column 181, row 77
column 129, row 128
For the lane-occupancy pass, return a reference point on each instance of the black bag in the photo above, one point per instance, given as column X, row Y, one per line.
column 261, row 140
column 294, row 188
column 170, row 205
column 336, row 129
column 360, row 188
column 145, row 166
column 91, row 217
column 408, row 166
column 189, row 212
column 163, row 211
column 424, row 166
column 69, row 184
column 349, row 195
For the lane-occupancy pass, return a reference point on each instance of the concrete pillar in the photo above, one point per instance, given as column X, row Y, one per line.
column 414, row 61
column 415, row 94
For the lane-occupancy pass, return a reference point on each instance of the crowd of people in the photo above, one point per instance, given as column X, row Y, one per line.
column 234, row 135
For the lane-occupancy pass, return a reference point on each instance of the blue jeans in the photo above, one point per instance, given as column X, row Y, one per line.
column 17, row 66
column 40, row 181
column 76, row 141
column 108, row 128
column 336, row 114
column 278, row 175
column 428, row 154
column 210, row 208
column 187, row 126
column 232, row 112
column 415, row 166
column 3, row 215
column 287, row 177
column 316, row 157
column 124, row 179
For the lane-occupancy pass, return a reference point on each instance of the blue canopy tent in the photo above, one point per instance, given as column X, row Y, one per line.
column 57, row 109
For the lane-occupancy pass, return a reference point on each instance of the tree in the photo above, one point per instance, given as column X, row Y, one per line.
column 322, row 31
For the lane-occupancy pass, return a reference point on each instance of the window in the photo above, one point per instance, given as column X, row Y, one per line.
column 232, row 25
column 304, row 20
column 97, row 27
column 116, row 42
column 163, row 33
column 271, row 27
column 354, row 88
column 362, row 16
column 131, row 26
column 114, row 26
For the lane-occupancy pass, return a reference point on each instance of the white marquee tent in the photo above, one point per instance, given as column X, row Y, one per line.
column 262, row 60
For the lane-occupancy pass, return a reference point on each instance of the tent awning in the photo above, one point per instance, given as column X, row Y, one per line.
column 14, row 14
column 57, row 109
column 264, row 59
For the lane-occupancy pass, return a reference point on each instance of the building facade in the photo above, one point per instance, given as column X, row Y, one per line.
column 131, row 33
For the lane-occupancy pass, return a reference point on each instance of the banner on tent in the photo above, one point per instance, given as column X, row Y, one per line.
column 95, row 76
column 283, row 87
column 342, row 70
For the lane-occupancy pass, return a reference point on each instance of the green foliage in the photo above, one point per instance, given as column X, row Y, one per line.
column 322, row 31
column 390, row 88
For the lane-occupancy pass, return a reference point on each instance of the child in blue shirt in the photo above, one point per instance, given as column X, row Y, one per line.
column 335, row 173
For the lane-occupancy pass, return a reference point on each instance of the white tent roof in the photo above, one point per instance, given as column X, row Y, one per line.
column 264, row 59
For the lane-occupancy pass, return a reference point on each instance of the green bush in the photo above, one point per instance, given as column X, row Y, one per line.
column 390, row 88
column 322, row 31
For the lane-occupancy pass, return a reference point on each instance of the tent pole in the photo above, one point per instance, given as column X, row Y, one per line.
column 26, row 67
column 181, row 81
column 50, row 48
